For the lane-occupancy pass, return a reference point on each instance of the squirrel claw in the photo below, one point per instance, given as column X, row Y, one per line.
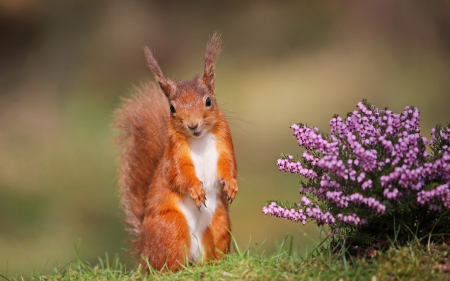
column 198, row 195
column 229, row 188
column 228, row 198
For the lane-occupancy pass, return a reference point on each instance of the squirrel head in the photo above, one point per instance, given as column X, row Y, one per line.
column 193, row 106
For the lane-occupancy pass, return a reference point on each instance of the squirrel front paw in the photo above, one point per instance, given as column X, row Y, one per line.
column 198, row 194
column 230, row 188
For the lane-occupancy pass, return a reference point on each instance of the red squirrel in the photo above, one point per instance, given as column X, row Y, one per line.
column 178, row 171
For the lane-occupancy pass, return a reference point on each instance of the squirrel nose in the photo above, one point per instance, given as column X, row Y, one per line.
column 192, row 127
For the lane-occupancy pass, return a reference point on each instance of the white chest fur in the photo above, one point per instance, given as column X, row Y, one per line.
column 204, row 155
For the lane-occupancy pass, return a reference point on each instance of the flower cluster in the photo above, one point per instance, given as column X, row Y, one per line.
column 373, row 166
column 299, row 215
column 440, row 195
column 291, row 214
column 289, row 165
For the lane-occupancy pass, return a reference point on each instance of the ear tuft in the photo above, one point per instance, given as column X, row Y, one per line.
column 167, row 86
column 213, row 49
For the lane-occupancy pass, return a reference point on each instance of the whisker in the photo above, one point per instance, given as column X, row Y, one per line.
column 235, row 116
column 237, row 126
column 244, row 180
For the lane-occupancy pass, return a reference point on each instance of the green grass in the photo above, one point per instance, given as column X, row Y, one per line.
column 411, row 262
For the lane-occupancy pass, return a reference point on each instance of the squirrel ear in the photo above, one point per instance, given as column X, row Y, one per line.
column 167, row 86
column 213, row 49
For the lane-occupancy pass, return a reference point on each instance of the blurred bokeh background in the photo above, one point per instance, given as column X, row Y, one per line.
column 64, row 65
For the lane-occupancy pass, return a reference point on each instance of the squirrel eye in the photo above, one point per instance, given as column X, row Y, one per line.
column 172, row 109
column 208, row 101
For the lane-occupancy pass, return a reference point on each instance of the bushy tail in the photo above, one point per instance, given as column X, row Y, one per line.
column 142, row 124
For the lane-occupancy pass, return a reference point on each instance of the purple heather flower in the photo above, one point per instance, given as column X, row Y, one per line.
column 440, row 194
column 351, row 219
column 310, row 139
column 367, row 184
column 293, row 167
column 373, row 159
column 306, row 201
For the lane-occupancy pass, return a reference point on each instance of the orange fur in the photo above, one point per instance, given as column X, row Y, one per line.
column 157, row 172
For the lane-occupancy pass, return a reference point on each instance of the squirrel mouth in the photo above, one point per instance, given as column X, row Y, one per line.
column 197, row 134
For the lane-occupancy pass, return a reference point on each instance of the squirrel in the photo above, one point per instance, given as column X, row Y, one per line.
column 177, row 171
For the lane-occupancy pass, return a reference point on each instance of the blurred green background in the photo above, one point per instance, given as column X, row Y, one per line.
column 64, row 65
